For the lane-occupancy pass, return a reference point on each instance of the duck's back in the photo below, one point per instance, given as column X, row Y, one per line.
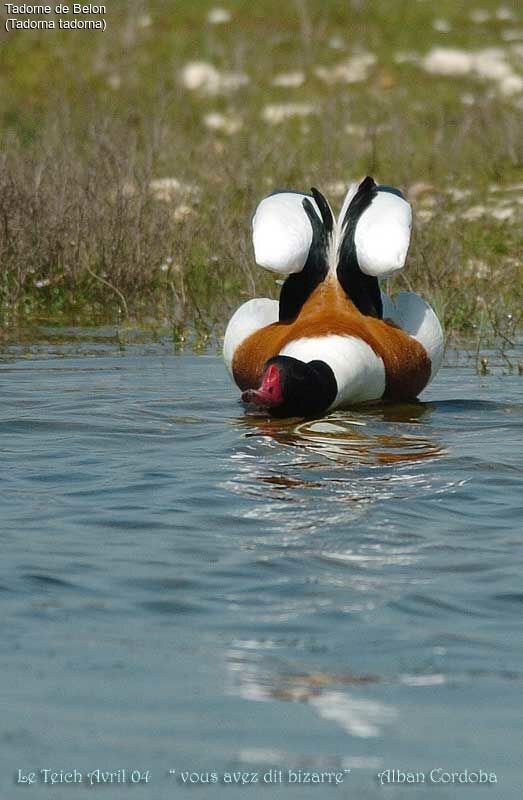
column 330, row 328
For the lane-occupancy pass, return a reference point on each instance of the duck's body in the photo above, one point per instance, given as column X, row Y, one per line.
column 331, row 354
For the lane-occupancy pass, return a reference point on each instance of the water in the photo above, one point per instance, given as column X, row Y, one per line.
column 188, row 587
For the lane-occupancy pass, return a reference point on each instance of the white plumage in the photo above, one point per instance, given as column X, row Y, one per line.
column 282, row 232
column 351, row 191
column 359, row 372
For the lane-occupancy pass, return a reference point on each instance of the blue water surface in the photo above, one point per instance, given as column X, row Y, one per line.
column 186, row 586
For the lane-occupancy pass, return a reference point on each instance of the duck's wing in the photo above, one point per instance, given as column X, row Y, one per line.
column 248, row 318
column 372, row 239
column 382, row 232
column 374, row 226
column 376, row 222
column 282, row 232
column 293, row 235
column 417, row 318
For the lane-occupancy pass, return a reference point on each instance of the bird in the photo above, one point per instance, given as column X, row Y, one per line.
column 333, row 339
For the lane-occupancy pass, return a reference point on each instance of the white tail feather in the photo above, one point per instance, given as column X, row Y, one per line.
column 339, row 227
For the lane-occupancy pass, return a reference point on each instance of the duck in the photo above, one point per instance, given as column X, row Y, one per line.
column 333, row 340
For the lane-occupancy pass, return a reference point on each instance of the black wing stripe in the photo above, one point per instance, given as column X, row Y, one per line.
column 299, row 286
column 363, row 290
column 325, row 211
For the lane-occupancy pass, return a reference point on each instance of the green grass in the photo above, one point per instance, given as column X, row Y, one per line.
column 90, row 119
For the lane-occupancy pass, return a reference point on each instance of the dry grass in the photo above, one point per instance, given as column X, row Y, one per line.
column 120, row 197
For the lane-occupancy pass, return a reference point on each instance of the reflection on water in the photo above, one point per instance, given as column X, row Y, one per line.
column 333, row 469
column 197, row 587
column 324, row 692
column 368, row 557
column 356, row 438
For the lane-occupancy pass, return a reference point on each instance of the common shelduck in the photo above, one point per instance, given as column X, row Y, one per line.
column 334, row 339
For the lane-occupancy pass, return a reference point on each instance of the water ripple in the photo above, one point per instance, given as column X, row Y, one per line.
column 170, row 562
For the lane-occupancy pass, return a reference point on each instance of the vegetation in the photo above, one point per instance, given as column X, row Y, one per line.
column 127, row 182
